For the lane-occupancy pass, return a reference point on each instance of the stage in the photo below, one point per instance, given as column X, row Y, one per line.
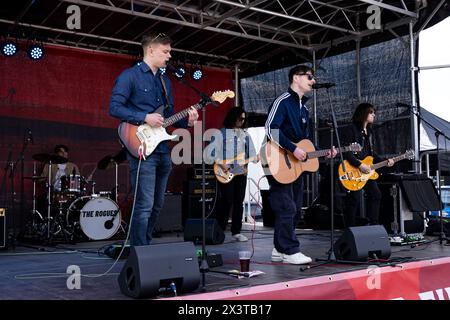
column 37, row 272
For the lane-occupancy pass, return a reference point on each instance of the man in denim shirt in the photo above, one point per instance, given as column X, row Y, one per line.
column 138, row 92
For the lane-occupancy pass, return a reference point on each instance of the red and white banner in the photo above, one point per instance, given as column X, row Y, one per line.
column 421, row 280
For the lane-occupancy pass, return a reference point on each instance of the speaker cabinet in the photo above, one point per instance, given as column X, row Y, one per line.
column 150, row 268
column 360, row 243
column 213, row 233
column 169, row 219
column 192, row 206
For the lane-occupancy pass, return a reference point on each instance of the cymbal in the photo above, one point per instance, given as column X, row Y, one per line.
column 45, row 157
column 35, row 178
column 109, row 161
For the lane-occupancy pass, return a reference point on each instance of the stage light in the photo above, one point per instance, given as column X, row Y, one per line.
column 162, row 70
column 180, row 72
column 196, row 73
column 9, row 48
column 35, row 52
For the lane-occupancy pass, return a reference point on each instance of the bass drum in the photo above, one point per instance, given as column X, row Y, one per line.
column 97, row 218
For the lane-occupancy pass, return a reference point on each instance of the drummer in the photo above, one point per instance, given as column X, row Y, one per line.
column 61, row 169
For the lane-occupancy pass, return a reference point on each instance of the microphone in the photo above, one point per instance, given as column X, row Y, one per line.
column 30, row 136
column 325, row 85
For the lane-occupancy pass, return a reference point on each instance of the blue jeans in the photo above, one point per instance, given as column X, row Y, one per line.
column 286, row 202
column 153, row 176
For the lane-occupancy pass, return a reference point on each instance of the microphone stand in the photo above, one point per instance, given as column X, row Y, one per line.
column 13, row 166
column 437, row 133
column 333, row 129
column 205, row 100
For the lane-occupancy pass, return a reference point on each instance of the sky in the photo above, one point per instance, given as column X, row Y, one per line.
column 434, row 85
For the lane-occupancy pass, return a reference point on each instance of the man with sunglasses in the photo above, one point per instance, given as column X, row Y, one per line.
column 287, row 124
column 138, row 92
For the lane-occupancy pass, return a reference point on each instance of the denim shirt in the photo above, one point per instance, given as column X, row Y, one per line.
column 137, row 92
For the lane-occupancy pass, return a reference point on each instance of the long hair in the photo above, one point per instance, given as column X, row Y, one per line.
column 232, row 116
column 361, row 113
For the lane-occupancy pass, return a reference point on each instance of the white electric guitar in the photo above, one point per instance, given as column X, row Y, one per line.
column 148, row 138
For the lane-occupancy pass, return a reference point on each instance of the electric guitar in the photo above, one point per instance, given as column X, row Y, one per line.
column 286, row 168
column 236, row 166
column 353, row 179
column 146, row 138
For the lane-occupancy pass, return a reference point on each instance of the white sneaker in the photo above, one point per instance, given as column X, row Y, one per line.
column 296, row 258
column 240, row 237
column 276, row 256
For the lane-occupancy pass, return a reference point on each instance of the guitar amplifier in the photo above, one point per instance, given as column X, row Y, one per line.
column 2, row 227
column 196, row 186
column 192, row 205
column 196, row 173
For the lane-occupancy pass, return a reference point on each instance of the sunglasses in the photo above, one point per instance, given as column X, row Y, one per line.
column 310, row 76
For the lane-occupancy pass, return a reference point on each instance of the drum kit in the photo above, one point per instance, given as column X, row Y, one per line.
column 75, row 213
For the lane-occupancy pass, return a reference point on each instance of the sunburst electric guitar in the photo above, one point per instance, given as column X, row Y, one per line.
column 286, row 168
column 235, row 167
column 147, row 138
column 353, row 179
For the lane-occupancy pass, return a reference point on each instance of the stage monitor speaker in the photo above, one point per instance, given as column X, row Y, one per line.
column 360, row 243
column 151, row 268
column 193, row 231
column 2, row 227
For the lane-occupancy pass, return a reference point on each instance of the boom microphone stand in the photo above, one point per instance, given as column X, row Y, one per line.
column 205, row 100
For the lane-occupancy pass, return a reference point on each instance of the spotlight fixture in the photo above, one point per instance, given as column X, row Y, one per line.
column 35, row 52
column 196, row 73
column 180, row 72
column 9, row 48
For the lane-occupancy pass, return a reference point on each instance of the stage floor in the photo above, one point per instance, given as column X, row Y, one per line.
column 33, row 271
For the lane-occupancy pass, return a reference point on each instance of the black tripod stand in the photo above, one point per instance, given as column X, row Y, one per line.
column 437, row 133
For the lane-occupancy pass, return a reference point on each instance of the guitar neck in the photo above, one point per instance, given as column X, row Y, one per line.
column 323, row 153
column 179, row 115
column 385, row 162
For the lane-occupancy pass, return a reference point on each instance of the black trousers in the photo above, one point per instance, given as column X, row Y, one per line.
column 352, row 202
column 286, row 202
column 232, row 196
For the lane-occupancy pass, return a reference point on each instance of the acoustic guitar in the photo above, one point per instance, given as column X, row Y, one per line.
column 286, row 168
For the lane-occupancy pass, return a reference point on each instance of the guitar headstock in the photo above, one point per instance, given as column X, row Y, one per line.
column 221, row 96
column 409, row 154
column 355, row 147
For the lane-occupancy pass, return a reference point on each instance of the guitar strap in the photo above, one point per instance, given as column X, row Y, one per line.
column 166, row 97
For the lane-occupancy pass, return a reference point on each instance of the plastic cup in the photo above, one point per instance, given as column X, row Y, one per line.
column 244, row 259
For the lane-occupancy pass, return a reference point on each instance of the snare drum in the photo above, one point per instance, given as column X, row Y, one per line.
column 73, row 183
column 96, row 217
